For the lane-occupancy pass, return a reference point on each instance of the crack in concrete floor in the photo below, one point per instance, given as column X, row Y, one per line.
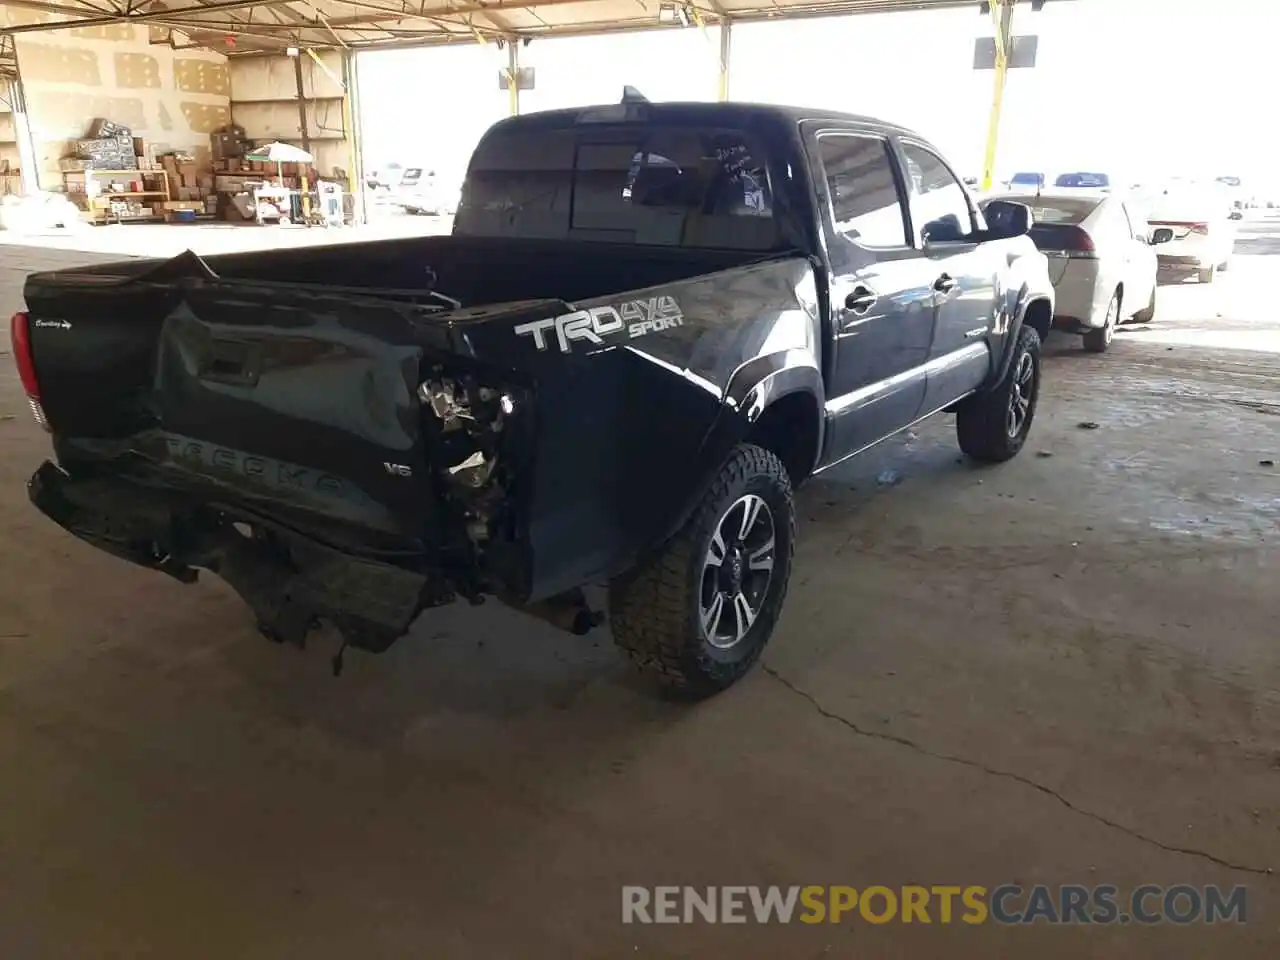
column 1015, row 777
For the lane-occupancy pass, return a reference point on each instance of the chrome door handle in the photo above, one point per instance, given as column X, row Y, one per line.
column 860, row 299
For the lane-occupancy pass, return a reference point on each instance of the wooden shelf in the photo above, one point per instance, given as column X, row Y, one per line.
column 97, row 206
column 112, row 173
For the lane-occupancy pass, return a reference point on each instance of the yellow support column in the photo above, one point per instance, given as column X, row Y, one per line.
column 1002, row 17
column 513, row 76
column 726, row 47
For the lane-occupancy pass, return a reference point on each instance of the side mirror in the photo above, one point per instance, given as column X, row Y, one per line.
column 1006, row 219
column 943, row 230
column 1161, row 235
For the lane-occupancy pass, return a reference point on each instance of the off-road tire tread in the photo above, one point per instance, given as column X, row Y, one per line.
column 649, row 607
column 980, row 420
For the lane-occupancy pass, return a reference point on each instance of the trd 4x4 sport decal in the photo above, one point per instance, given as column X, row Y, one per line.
column 635, row 317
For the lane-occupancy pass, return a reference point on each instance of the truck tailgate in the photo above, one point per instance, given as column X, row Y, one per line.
column 291, row 402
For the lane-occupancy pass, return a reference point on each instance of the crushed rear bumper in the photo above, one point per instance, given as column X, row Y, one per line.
column 289, row 580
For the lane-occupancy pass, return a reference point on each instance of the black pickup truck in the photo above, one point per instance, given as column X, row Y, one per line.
column 650, row 324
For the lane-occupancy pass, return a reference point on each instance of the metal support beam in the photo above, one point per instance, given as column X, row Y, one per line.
column 302, row 104
column 513, row 77
column 1002, row 18
column 726, row 49
column 178, row 13
column 351, row 129
column 22, row 130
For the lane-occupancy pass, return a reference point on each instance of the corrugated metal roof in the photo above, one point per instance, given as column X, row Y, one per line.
column 239, row 27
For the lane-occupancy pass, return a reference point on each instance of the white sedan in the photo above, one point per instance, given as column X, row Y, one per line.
column 1100, row 261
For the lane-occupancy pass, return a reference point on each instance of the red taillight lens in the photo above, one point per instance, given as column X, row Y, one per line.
column 20, row 335
column 1081, row 241
column 1063, row 240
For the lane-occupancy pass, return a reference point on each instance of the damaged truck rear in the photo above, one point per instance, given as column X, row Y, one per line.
column 650, row 323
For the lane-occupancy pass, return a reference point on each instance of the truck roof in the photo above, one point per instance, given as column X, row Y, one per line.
column 731, row 114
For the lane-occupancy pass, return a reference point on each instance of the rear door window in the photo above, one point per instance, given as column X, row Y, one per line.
column 1062, row 211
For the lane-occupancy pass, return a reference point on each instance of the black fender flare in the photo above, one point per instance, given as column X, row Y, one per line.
column 1026, row 297
column 753, row 389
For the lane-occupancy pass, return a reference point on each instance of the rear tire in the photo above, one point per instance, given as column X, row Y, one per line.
column 1148, row 314
column 1205, row 275
column 984, row 422
column 1097, row 341
column 664, row 611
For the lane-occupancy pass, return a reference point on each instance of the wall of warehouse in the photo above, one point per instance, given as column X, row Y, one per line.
column 8, row 144
column 171, row 98
column 264, row 101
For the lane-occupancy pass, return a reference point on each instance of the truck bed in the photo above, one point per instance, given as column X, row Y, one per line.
column 471, row 270
column 284, row 391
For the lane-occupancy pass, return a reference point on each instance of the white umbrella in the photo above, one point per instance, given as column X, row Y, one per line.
column 278, row 153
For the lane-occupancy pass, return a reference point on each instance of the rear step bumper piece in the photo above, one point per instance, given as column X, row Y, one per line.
column 289, row 580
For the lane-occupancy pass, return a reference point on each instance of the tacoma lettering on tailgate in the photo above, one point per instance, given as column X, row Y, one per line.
column 263, row 472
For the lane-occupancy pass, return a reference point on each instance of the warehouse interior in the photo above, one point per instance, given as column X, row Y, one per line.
column 1059, row 674
column 195, row 86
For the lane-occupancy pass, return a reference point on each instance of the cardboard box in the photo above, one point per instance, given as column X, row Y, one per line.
column 102, row 127
column 196, row 205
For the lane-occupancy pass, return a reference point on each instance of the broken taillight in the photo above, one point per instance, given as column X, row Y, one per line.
column 20, row 336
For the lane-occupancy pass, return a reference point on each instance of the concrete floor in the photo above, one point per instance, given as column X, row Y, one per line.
column 1061, row 670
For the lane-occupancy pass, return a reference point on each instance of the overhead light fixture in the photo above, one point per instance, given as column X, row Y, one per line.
column 291, row 51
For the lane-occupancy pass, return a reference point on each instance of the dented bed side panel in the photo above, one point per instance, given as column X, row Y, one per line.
column 638, row 406
column 302, row 405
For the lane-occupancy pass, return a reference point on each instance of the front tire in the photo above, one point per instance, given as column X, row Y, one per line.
column 696, row 615
column 993, row 426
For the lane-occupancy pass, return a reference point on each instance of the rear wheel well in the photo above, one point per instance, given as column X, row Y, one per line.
column 1039, row 317
column 789, row 429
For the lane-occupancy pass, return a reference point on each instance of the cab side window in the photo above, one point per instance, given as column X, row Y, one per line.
column 866, row 206
column 939, row 204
